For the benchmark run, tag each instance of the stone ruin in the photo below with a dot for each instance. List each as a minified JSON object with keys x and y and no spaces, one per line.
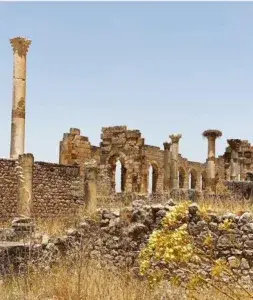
{"x":42,"y":189}
{"x":86,"y":174}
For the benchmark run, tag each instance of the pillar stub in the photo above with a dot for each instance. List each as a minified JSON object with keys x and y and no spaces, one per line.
{"x":25,"y":184}
{"x":175,"y":137}
{"x":166,"y":145}
{"x":20,"y":45}
{"x":26,"y":157}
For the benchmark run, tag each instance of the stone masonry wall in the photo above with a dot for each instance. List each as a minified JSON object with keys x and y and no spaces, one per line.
{"x":57,"y":189}
{"x":8,"y":189}
{"x":241,"y":189}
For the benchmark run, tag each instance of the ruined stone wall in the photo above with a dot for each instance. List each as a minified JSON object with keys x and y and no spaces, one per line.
{"x":57,"y":190}
{"x":75,"y":149}
{"x":116,"y":238}
{"x":190,"y":170}
{"x":120,"y":144}
{"x":245,"y":155}
{"x":128,"y":146}
{"x":154,"y":157}
{"x":8,"y":189}
{"x":241,"y":189}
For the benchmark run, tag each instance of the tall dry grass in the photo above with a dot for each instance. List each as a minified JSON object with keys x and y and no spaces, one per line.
{"x":87,"y":280}
{"x":76,"y":282}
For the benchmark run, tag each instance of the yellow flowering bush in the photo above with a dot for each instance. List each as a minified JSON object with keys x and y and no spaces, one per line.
{"x":172,"y":253}
{"x":170,"y":245}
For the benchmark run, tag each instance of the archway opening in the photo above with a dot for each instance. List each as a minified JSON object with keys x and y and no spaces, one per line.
{"x":118,"y":177}
{"x":152,"y":179}
{"x":193,"y":180}
{"x":117,"y":174}
{"x":181,"y":178}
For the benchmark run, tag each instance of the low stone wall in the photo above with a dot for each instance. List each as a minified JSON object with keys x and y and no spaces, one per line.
{"x":116,"y":237}
{"x":241,"y":189}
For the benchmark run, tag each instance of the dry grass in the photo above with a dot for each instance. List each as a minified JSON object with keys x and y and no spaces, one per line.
{"x":76,"y":282}
{"x":220,"y":206}
{"x":88,"y":281}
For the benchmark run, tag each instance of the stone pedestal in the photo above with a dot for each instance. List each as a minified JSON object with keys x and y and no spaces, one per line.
{"x":25,"y":185}
{"x":211,"y":136}
{"x":90,"y":186}
{"x":166,"y":182}
{"x":174,"y":160}
{"x":20,"y":48}
{"x":234,"y":162}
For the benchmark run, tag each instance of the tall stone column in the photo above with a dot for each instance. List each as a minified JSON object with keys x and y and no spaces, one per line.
{"x":25,"y":184}
{"x":20,"y":48}
{"x":174,"y":160}
{"x":166,"y":182}
{"x":211,"y":136}
{"x":234,"y":161}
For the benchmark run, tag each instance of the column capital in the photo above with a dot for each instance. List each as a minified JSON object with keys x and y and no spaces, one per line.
{"x":212,"y":133}
{"x":20,"y":45}
{"x":175,"y":138}
{"x":166,"y":145}
{"x":234,"y":144}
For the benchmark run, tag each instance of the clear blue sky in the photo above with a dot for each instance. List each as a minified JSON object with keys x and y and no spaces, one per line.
{"x":158,"y":67}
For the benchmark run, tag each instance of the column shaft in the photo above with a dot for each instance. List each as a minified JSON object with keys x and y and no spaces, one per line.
{"x":234,"y":161}
{"x":211,"y":158}
{"x":211,"y":135}
{"x":174,"y":160}
{"x":166,"y":166}
{"x":20,"y":47}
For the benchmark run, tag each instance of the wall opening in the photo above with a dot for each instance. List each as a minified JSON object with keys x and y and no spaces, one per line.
{"x":117,"y":174}
{"x":152,"y":179}
{"x":118,"y":177}
{"x":193,"y":180}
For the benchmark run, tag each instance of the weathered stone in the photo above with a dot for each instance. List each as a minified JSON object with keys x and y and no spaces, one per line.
{"x":193,"y":208}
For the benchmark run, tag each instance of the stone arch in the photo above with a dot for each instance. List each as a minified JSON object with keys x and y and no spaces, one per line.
{"x":203,"y":180}
{"x":153,"y":173}
{"x":117,"y":170}
{"x":193,"y":179}
{"x":181,"y":177}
